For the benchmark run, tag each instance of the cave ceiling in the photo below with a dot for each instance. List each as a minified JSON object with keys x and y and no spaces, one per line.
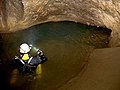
{"x":20,"y":14}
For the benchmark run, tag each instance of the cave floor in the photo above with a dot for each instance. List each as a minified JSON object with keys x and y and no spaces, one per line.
{"x":101,"y":73}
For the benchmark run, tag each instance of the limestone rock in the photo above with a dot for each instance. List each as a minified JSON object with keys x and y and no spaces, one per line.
{"x":21,"y":14}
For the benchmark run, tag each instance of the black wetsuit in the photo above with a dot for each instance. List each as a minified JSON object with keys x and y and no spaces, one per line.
{"x":28,"y":67}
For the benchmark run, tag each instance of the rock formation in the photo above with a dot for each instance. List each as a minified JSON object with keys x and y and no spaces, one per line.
{"x":21,"y":14}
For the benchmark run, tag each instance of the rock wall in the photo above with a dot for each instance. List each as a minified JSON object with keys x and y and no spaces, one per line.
{"x":20,"y":14}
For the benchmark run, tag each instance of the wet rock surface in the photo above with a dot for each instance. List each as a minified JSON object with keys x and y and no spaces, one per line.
{"x":20,"y":14}
{"x":102,"y":72}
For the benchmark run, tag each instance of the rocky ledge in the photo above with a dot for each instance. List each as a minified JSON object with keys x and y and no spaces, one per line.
{"x":20,"y":14}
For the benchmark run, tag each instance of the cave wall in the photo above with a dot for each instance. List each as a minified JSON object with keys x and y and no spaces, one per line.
{"x":20,"y":14}
{"x":3,"y":21}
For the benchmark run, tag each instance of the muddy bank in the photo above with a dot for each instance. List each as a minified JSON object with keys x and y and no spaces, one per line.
{"x":102,"y":72}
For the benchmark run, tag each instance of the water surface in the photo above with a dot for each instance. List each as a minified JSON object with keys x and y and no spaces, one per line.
{"x":66,"y":44}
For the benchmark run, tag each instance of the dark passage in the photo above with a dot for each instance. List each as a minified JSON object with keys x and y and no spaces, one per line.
{"x":67,"y":46}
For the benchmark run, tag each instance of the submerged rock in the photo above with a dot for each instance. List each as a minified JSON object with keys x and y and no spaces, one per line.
{"x":21,"y":14}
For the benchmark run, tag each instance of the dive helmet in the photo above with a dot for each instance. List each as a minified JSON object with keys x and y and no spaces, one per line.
{"x":24,"y":48}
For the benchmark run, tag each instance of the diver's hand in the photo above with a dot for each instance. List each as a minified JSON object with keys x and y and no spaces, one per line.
{"x":39,"y":52}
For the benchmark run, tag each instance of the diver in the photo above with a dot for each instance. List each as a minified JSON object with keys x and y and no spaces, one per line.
{"x":25,"y":63}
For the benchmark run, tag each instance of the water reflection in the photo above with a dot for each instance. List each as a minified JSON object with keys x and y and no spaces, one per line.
{"x":66,"y":44}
